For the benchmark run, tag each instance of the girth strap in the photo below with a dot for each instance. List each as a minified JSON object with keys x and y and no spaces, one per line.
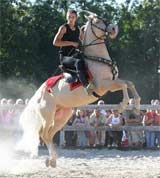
{"x":110,"y":63}
{"x":96,"y":95}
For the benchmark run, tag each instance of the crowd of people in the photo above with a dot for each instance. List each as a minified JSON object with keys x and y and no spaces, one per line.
{"x":10,"y":111}
{"x":135,"y":139}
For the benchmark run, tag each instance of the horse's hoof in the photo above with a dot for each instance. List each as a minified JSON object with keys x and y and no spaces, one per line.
{"x":53,"y":163}
{"x":47,"y":162}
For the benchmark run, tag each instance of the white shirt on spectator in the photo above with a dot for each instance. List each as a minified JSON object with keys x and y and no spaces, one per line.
{"x":115,"y":120}
{"x":103,"y":112}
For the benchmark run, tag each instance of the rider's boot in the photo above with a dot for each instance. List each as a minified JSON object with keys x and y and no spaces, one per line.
{"x":88,"y":87}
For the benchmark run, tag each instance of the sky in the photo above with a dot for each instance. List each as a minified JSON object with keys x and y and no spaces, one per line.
{"x":119,"y":1}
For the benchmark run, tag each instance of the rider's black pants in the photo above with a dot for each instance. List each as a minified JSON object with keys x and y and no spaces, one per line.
{"x":79,"y":66}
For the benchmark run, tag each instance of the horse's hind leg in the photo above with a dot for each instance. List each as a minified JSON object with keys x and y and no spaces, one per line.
{"x":47,"y":111}
{"x":61,"y":117}
{"x":49,"y":143}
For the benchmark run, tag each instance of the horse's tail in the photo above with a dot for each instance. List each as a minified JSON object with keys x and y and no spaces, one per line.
{"x":31,"y":122}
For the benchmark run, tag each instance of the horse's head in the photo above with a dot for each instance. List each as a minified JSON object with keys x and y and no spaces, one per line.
{"x":100,"y":27}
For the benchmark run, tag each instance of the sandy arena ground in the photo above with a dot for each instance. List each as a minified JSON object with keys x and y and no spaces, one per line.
{"x":88,"y":163}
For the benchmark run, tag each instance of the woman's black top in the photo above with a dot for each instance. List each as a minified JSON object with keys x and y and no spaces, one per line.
{"x":70,"y":35}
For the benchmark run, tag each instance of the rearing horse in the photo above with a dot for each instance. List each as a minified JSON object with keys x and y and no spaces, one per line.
{"x":47,"y":112}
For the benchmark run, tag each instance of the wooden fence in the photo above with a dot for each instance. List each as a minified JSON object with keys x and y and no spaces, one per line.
{"x":92,"y":106}
{"x":106,"y":128}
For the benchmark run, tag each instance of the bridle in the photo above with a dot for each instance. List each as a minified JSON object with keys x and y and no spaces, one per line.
{"x":110,"y":63}
{"x":103,"y":37}
{"x":104,"y":30}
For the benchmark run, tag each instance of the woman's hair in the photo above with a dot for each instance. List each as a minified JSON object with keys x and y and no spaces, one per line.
{"x":72,"y":11}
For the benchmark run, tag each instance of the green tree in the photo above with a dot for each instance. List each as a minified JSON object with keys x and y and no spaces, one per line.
{"x":27,"y":31}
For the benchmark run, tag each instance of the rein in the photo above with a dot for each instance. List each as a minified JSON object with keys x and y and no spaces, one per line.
{"x":110,"y":63}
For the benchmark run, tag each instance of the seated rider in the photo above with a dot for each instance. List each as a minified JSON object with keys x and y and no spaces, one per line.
{"x":68,"y":38}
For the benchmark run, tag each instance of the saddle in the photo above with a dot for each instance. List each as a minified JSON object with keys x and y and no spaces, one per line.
{"x":71,"y":75}
{"x":69,"y":70}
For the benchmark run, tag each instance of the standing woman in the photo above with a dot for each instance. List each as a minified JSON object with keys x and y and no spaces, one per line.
{"x":80,"y":121}
{"x":116,"y":122}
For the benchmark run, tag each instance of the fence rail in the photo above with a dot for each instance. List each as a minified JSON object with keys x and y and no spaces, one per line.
{"x":93,"y":106}
{"x":105,"y":128}
{"x":108,"y":128}
{"x":115,"y":106}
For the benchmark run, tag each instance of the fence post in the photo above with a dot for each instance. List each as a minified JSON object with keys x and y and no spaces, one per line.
{"x":62,"y":138}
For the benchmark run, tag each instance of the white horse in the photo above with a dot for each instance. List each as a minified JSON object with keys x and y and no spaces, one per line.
{"x":47,"y":112}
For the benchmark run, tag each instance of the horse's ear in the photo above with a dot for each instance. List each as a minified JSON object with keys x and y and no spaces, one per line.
{"x":90,"y":17}
{"x":83,"y":28}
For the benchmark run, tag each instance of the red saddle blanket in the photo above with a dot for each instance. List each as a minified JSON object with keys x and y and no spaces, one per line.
{"x":50,"y":82}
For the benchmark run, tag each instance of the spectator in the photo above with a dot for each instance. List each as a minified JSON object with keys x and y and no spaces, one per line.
{"x":10,"y":102}
{"x":10,"y":111}
{"x":142,"y":115}
{"x":19,"y":102}
{"x":116,"y":122}
{"x":101,"y":102}
{"x":157,"y":123}
{"x":3,"y":111}
{"x":71,"y":136}
{"x":3,"y":101}
{"x":150,"y":120}
{"x":98,"y":119}
{"x":152,"y":102}
{"x":156,"y":102}
{"x":81,"y":121}
{"x":158,"y":132}
{"x":90,"y":135}
{"x":135,"y":138}
{"x":108,"y":140}
{"x":19,"y":107}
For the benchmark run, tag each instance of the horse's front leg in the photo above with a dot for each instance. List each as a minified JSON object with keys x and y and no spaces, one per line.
{"x":136,"y":96}
{"x":116,"y":85}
